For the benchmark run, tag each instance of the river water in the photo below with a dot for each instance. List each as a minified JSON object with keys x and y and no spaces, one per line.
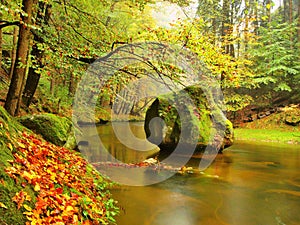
{"x":249,"y":184}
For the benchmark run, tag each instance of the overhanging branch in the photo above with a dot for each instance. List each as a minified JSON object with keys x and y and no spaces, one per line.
{"x":8,"y":23}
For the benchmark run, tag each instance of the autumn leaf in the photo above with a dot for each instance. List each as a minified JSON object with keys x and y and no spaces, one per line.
{"x":2,"y":205}
{"x":37,"y":187}
{"x":9,"y":145}
{"x":21,"y":145}
{"x":20,"y":197}
{"x":28,"y":208}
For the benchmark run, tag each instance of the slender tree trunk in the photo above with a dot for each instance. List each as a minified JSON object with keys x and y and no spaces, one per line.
{"x":72,"y":85}
{"x":290,"y":11}
{"x":21,"y":61}
{"x":1,"y":47}
{"x":22,"y":87}
{"x":231,"y":38}
{"x":256,"y":24}
{"x":298,"y":25}
{"x":268,"y":3}
{"x":38,"y":54}
{"x":225,"y":25}
{"x":290,"y":22}
{"x":246,"y":33}
{"x":14,"y":51}
{"x":31,"y":84}
{"x":52,"y":85}
{"x":1,"y":42}
{"x":285,"y":10}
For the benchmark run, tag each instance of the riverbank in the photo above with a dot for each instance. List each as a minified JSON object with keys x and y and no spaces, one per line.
{"x":41,"y":183}
{"x":267,"y":135}
{"x":273,"y":128}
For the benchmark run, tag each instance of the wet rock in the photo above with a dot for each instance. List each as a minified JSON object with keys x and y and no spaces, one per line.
{"x":163,"y":123}
{"x":292,"y":115}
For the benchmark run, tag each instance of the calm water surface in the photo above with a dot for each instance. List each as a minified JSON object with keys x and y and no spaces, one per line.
{"x":249,"y":184}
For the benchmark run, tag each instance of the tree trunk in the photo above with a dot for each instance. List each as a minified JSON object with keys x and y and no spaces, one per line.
{"x":72,"y":85}
{"x":38,"y":54}
{"x":22,"y":87}
{"x":290,"y":11}
{"x":14,"y":51}
{"x":256,"y":23}
{"x":30,"y":87}
{"x":0,"y":48}
{"x":20,"y":66}
{"x":52,"y":85}
{"x":298,"y":25}
{"x":285,"y":10}
{"x":1,"y":42}
{"x":290,"y":22}
{"x":246,"y":31}
{"x":225,"y":25}
{"x":268,"y":4}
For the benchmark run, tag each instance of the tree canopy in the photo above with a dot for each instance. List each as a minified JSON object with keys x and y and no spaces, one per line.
{"x":249,"y":45}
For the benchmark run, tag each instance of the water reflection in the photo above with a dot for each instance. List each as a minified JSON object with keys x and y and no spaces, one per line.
{"x":104,"y":146}
{"x":249,"y":184}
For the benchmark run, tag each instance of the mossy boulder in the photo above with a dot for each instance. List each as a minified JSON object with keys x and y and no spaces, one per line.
{"x":166,"y":128}
{"x":53,"y":128}
{"x":292,"y":116}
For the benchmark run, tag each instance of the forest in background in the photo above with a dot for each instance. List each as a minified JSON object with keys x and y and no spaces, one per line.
{"x":46,"y":47}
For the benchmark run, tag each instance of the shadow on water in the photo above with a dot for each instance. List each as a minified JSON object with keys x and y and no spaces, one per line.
{"x":249,"y":184}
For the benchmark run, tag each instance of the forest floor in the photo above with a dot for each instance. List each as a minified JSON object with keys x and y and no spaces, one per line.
{"x":41,"y":183}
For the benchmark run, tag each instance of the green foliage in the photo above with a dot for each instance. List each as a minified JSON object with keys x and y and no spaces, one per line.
{"x":233,"y":73}
{"x":72,"y":34}
{"x":276,"y":58}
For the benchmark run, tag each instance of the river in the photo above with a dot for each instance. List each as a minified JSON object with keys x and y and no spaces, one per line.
{"x":249,"y":184}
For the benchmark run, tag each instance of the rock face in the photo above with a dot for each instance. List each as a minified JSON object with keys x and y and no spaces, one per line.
{"x":55,"y":129}
{"x":163,"y":123}
{"x":292,"y":115}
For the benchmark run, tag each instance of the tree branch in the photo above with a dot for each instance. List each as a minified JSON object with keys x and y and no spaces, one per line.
{"x":8,"y":23}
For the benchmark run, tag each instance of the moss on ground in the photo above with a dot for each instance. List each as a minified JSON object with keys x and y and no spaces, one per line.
{"x":10,"y":214}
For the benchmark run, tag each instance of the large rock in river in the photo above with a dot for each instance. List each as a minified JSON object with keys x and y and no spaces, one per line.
{"x":163,"y":125}
{"x":55,"y":129}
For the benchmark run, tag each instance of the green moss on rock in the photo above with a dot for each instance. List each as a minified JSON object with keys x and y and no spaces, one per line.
{"x":292,"y":116}
{"x":198,"y":120}
{"x":53,"y":128}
